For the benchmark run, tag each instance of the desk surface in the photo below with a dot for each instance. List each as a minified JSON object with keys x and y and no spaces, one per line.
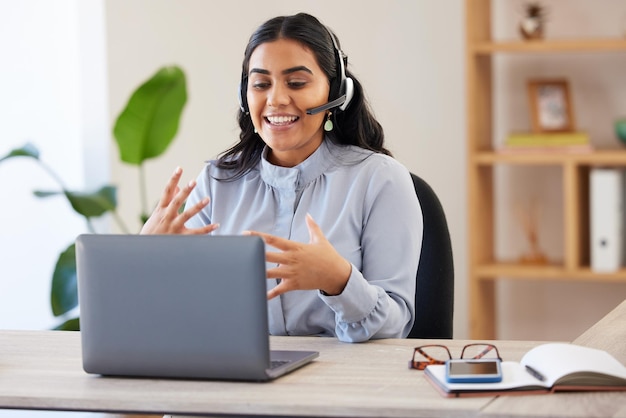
{"x":42,"y":370}
{"x":608,"y":334}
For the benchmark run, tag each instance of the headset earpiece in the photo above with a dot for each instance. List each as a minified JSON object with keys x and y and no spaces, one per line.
{"x":349,"y":92}
{"x":346,"y":84}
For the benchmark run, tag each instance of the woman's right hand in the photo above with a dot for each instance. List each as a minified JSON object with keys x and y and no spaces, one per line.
{"x":167,"y":220}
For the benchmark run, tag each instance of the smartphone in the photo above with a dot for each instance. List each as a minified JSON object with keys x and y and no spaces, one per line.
{"x":473,"y":371}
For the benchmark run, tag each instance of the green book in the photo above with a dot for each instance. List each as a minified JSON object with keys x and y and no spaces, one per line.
{"x":558,"y":139}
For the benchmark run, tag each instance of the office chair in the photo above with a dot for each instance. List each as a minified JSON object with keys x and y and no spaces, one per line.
{"x":434,"y":293}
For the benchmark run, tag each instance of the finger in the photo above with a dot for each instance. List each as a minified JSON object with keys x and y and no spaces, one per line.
{"x":194,"y":210}
{"x":271,"y":294}
{"x":280,"y":272}
{"x":207,"y":229}
{"x":274,"y":241}
{"x":281,"y":258}
{"x":171,"y":188}
{"x":278,"y":290}
{"x":315,"y":232}
{"x":182,"y":195}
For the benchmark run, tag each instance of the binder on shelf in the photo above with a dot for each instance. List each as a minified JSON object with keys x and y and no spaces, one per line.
{"x":606,"y":193}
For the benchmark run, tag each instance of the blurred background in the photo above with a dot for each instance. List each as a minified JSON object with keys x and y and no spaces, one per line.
{"x":69,"y":66}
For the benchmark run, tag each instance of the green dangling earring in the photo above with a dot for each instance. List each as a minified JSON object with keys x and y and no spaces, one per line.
{"x":328,"y":125}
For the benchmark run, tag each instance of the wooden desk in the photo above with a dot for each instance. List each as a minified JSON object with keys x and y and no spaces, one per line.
{"x":608,"y":334}
{"x":42,"y":370}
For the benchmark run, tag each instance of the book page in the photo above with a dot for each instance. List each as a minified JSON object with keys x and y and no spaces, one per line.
{"x":570,"y":364}
{"x":514,"y":377}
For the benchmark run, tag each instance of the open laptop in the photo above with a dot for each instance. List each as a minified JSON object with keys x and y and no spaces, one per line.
{"x":177,"y":306}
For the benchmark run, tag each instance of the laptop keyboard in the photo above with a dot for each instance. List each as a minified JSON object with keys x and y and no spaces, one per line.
{"x":277,"y":363}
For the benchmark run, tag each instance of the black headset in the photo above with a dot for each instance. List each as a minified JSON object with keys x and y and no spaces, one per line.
{"x":346,"y":86}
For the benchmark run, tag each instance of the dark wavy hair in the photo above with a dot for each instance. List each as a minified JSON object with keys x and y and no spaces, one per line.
{"x":354,"y":126}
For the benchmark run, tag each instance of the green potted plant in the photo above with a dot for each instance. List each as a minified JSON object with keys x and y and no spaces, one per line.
{"x":144,"y":130}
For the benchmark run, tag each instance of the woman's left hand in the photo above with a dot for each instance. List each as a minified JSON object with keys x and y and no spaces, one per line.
{"x":316,"y":265}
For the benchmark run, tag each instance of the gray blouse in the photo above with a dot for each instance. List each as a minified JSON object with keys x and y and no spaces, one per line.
{"x":366,"y":206}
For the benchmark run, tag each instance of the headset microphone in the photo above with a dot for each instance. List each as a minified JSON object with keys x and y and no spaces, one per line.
{"x":341,"y":102}
{"x":337,"y":102}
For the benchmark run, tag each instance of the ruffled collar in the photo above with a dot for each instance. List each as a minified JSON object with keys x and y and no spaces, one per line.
{"x":297,"y":177}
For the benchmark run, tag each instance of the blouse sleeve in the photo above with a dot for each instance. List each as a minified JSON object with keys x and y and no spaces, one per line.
{"x":378,"y":301}
{"x":201,"y":190}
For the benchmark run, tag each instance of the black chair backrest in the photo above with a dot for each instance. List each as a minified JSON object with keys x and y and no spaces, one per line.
{"x":434,"y":293}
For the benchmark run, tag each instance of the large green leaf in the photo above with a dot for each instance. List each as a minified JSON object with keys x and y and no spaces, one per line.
{"x":148,"y":124}
{"x":88,"y":204}
{"x":28,"y":150}
{"x":64,"y":293}
{"x":72,"y":324}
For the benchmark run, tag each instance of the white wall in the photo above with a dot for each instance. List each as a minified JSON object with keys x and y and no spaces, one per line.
{"x":53,"y":85}
{"x":53,"y":94}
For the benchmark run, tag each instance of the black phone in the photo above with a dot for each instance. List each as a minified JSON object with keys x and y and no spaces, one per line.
{"x":473,"y":371}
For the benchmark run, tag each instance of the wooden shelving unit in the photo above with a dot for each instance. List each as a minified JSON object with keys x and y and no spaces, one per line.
{"x":484,"y":269}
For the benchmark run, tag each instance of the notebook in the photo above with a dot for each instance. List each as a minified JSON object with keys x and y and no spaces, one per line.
{"x":177,"y":306}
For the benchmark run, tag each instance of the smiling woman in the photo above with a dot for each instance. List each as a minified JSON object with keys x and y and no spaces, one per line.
{"x":284,"y":81}
{"x":312,"y":177}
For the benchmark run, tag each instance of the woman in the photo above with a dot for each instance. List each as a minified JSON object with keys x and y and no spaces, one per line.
{"x":311,"y":176}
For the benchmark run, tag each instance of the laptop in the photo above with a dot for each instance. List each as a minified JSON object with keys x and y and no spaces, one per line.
{"x":177,"y":306}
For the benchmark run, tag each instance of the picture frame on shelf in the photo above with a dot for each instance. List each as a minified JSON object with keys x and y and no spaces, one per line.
{"x":550,"y":105}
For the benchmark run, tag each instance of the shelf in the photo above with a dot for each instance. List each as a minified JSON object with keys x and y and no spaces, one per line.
{"x":599,"y":157}
{"x":483,"y":171}
{"x":542,"y":272}
{"x":550,"y":46}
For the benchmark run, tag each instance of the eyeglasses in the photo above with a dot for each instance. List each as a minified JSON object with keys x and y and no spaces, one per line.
{"x":438,"y":354}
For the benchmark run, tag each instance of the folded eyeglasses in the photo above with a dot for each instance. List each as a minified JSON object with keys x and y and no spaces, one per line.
{"x":426,"y":355}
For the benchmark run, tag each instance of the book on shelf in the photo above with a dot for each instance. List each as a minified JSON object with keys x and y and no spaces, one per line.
{"x":548,"y":139}
{"x":560,"y":142}
{"x":547,"y":368}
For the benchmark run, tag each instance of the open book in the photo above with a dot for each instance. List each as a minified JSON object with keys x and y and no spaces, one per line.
{"x":546,"y":368}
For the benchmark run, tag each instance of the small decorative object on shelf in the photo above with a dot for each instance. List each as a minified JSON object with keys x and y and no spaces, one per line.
{"x":550,"y":106}
{"x":531,"y":230}
{"x":532,"y":24}
{"x":620,"y":129}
